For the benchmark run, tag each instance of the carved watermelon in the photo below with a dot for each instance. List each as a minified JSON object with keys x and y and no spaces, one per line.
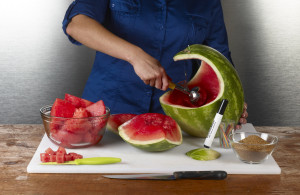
{"x":217,"y":80}
{"x":151,"y":132}
{"x":115,"y":120}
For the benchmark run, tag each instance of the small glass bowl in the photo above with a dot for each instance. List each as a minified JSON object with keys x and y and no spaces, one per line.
{"x":74,"y":132}
{"x":255,"y":149}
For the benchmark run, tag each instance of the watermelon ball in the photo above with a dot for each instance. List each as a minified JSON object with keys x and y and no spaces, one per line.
{"x":74,"y":122}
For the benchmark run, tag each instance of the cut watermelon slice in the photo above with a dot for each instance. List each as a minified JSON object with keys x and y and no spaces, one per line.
{"x":115,"y":120}
{"x":80,"y":124}
{"x":97,"y":109}
{"x":151,"y":132}
{"x":77,"y":102}
{"x":62,"y":108}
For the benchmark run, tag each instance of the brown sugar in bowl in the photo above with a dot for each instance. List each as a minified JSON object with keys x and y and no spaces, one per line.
{"x":252,"y":148}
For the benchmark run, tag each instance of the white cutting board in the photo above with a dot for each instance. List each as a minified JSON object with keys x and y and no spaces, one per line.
{"x":138,"y":161}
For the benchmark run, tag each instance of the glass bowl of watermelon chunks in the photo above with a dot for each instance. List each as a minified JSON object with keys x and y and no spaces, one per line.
{"x":71,"y":125}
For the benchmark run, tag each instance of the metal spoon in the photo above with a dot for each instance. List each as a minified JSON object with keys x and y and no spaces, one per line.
{"x":193,"y":93}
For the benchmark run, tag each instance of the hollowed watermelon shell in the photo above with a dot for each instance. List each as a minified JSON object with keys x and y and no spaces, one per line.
{"x":217,"y":80}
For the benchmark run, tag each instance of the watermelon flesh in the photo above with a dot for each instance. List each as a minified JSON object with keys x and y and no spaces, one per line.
{"x":62,"y":108}
{"x":115,"y":120}
{"x":77,"y":102}
{"x":209,"y":88}
{"x":217,"y":80}
{"x":151,"y":132}
{"x":97,"y":109}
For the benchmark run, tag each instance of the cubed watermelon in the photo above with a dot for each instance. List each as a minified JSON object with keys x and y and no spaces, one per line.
{"x":78,"y":156}
{"x":61,"y":150}
{"x":60,"y":158}
{"x":68,"y":157}
{"x":73,"y":155}
{"x":52,"y":158}
{"x":44,"y":157}
{"x":50,"y":151}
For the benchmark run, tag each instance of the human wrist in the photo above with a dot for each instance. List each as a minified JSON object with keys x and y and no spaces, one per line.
{"x":132,"y":54}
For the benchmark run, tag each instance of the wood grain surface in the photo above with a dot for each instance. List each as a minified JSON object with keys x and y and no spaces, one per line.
{"x":19,"y":142}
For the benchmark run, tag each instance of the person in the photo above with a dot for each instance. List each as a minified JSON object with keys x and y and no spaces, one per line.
{"x":135,"y":41}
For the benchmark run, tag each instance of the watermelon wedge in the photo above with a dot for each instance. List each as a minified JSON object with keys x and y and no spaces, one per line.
{"x":77,"y":102}
{"x":151,"y":132}
{"x":217,"y":80}
{"x":62,"y":108}
{"x":115,"y":120}
{"x":96,"y":109}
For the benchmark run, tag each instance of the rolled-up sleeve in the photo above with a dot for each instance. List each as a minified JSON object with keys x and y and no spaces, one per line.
{"x":95,"y":9}
{"x":217,"y":38}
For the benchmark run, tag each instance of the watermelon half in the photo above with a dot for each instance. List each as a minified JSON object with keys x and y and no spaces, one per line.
{"x":151,"y":132}
{"x":217,"y":80}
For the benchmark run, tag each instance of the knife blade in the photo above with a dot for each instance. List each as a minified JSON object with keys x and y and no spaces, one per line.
{"x":88,"y":161}
{"x":199,"y":175}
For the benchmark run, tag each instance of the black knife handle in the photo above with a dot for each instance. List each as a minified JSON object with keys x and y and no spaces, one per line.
{"x":203,"y":175}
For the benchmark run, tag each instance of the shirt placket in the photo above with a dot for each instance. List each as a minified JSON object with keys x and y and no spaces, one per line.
{"x":160,"y":37}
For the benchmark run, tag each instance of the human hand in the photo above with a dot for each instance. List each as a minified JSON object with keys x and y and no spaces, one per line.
{"x":243,"y":119}
{"x":150,"y":70}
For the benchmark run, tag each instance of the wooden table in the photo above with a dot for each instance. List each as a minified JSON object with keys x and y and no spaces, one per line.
{"x":19,"y":142}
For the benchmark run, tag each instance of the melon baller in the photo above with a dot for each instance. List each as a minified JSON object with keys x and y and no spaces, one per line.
{"x":193,"y":93}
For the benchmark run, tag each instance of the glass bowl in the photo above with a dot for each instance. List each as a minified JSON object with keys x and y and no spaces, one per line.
{"x":74,"y":132}
{"x":252,"y":148}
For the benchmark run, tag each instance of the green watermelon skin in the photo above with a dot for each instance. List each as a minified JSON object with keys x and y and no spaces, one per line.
{"x":197,"y":121}
{"x":155,"y":147}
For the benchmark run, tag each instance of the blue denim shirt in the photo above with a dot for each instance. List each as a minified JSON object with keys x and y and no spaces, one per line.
{"x":161,"y":28}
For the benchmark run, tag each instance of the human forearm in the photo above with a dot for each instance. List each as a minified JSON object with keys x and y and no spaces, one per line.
{"x":93,"y":35}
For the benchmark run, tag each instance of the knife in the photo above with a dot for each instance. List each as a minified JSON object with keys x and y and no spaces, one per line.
{"x":200,"y":175}
{"x":87,"y":161}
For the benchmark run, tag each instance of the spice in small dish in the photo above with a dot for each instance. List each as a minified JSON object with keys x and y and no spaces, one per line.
{"x":251,"y":147}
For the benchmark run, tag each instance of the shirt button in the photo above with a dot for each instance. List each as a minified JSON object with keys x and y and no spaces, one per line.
{"x":113,"y":5}
{"x":162,"y":28}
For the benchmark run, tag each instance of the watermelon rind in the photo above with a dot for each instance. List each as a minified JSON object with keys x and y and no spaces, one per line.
{"x":153,"y":145}
{"x":196,"y":121}
{"x":203,"y":154}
